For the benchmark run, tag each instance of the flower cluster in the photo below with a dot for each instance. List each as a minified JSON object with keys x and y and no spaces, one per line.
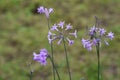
{"x":96,"y":36}
{"x":45,"y":11}
{"x":61,"y":30}
{"x":41,"y":57}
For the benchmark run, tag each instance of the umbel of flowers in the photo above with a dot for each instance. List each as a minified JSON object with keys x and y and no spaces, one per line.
{"x":60,"y":31}
{"x":96,"y":35}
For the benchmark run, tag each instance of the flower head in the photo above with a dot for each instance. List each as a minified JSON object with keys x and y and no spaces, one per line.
{"x":61,"y":31}
{"x":96,"y":36}
{"x":41,"y":57}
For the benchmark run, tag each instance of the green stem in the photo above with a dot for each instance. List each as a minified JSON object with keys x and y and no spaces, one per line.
{"x":98,"y":56}
{"x":31,"y":75}
{"x":54,"y":66}
{"x":51,"y":46}
{"x":67,"y":58}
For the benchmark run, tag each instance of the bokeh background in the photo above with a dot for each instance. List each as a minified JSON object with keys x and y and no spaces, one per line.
{"x":24,"y":31}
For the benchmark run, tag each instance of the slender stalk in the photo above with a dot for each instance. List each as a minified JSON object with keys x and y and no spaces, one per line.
{"x":31,"y":71}
{"x":51,"y":46}
{"x":67,"y":59}
{"x":98,"y":56}
{"x":31,"y":75}
{"x":54,"y":66}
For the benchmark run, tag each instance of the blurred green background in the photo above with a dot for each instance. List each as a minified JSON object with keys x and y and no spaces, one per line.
{"x":23,"y":31}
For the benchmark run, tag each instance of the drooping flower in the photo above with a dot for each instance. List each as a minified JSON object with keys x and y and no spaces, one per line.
{"x":41,"y":57}
{"x":60,"y":31}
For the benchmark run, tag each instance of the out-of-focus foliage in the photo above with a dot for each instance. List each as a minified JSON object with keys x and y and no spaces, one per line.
{"x":23,"y":31}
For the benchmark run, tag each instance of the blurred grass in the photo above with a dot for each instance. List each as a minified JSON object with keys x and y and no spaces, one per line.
{"x":23,"y":31}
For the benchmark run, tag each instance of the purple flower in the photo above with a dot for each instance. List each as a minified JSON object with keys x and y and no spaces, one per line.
{"x":48,"y":11}
{"x":110,"y":35}
{"x":68,"y":27}
{"x":41,"y":57}
{"x":95,"y":42}
{"x":54,"y":27}
{"x":92,"y":30}
{"x":74,"y":34}
{"x":87,"y":44}
{"x":70,"y":41}
{"x":50,"y":35}
{"x":84,"y":42}
{"x":40,"y":10}
{"x":61,"y":24}
{"x":102,"y":31}
{"x":96,"y":35}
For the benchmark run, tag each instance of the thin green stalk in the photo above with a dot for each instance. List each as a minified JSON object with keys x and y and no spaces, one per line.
{"x":98,"y":56}
{"x":67,"y":58}
{"x":51,"y":46}
{"x":31,"y":75}
{"x":54,"y":66}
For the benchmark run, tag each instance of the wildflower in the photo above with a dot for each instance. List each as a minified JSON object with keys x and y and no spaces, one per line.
{"x":96,"y":36}
{"x":68,"y":27}
{"x":61,"y":24}
{"x":61,"y":31}
{"x":70,"y":41}
{"x":41,"y":57}
{"x":40,"y":10}
{"x":54,"y":27}
{"x":48,"y":11}
{"x":87,"y":44}
{"x":102,"y":31}
{"x":92,"y":30}
{"x":110,"y":35}
{"x":45,"y":11}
